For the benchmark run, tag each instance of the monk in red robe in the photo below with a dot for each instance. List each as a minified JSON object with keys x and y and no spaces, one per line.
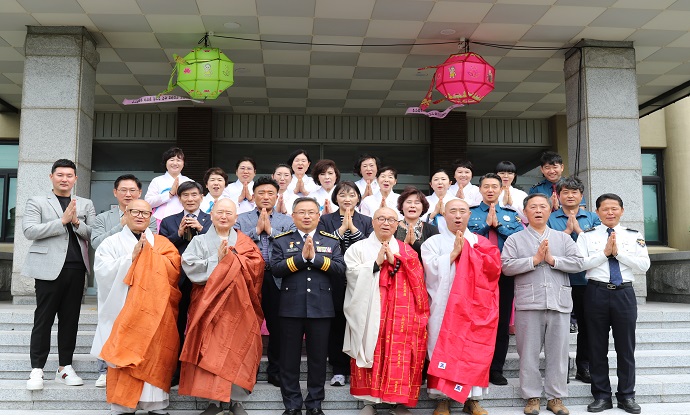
{"x":386,"y":308}
{"x":223,"y":347}
{"x":462,"y":271}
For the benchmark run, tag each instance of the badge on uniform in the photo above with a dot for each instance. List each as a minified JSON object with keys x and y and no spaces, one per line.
{"x":324,"y":249}
{"x":506,"y":218}
{"x":641,"y":243}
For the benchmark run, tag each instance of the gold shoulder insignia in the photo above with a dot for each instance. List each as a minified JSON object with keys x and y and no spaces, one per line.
{"x":283,"y":234}
{"x":329,"y":235}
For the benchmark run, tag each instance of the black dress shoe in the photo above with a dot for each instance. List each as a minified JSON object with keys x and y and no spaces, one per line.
{"x":292,"y":412}
{"x":629,"y":405}
{"x":599,"y":405}
{"x":274,"y":380}
{"x":315,"y":411}
{"x":497,"y":378}
{"x":584,"y":376}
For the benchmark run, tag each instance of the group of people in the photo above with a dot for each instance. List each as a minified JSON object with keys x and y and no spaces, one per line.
{"x":391,"y":289}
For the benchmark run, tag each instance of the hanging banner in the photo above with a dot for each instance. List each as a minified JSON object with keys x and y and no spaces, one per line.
{"x":152,"y":99}
{"x":432,"y":114}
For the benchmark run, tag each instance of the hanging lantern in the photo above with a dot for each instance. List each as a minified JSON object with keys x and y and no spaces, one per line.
{"x":464,"y":78}
{"x":204,"y":73}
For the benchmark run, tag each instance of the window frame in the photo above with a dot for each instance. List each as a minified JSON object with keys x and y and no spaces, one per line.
{"x":658,"y":182}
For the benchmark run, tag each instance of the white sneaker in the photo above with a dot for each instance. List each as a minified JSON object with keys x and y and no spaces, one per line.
{"x":68,"y":376}
{"x":338,"y":380}
{"x":100,"y":382}
{"x":35,"y":382}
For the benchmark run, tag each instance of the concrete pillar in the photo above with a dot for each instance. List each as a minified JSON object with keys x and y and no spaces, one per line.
{"x":676,"y":170}
{"x":604,"y":111}
{"x":56,"y":122}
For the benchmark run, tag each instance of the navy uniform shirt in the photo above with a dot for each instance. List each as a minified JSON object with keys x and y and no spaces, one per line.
{"x":306,"y":286}
{"x":559,"y":221}
{"x":508,"y":222}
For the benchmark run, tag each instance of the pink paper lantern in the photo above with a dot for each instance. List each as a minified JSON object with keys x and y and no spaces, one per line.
{"x":464,"y":78}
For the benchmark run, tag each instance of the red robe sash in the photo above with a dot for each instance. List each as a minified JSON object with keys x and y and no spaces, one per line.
{"x":396,"y":375}
{"x":465,"y":345}
{"x":223,"y":341}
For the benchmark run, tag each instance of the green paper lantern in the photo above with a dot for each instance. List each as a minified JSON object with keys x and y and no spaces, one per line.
{"x":204,"y":73}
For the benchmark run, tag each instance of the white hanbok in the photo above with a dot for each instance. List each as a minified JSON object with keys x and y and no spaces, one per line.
{"x":111,"y":264}
{"x":372,"y":203}
{"x":440,"y":220}
{"x":362,"y":186}
{"x":207,"y":202}
{"x":518,"y":197}
{"x":309,"y":185}
{"x":158,"y":196}
{"x":439,"y":274}
{"x":233,"y":192}
{"x":471,"y":193}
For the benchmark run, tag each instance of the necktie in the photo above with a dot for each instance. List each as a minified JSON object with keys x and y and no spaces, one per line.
{"x":614,"y":267}
{"x":264,"y":246}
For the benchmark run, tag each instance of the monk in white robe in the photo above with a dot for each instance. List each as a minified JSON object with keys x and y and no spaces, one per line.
{"x":386,"y":310}
{"x":462,"y":271}
{"x":130,"y":266}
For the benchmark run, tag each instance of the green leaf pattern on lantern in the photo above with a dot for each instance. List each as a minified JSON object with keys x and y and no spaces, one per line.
{"x":204,"y":73}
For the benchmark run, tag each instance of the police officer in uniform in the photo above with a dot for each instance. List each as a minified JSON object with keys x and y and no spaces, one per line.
{"x":497,"y":223}
{"x":612,"y":253}
{"x":309,"y":263}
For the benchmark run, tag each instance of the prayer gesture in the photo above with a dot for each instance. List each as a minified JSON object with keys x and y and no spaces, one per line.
{"x":572,"y":226}
{"x":264,"y":223}
{"x":383,"y":202}
{"x":437,"y":209}
{"x":246,"y":194}
{"x":460,"y":194}
{"x":458,"y":244}
{"x":539,"y":257}
{"x":368,"y":191}
{"x":173,"y":189}
{"x":409,"y":238}
{"x":138,"y":247}
{"x":223,"y":249}
{"x":347,"y":222}
{"x":491,"y":218}
{"x":389,"y":254}
{"x":327,"y":208}
{"x":308,"y":251}
{"x":507,"y":199}
{"x":554,"y":201}
{"x":280,"y":206}
{"x":299,"y":187}
{"x":611,"y":249}
{"x":70,"y":214}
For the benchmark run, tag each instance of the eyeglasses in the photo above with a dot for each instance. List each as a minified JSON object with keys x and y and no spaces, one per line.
{"x":130,"y":191}
{"x":143,"y":213}
{"x":306,"y":213}
{"x":224,"y":212}
{"x":390,"y":221}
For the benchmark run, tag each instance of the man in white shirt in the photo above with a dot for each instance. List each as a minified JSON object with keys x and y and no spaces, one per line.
{"x":612,"y":254}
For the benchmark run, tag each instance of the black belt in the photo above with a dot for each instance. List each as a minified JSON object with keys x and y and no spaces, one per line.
{"x":610,"y":286}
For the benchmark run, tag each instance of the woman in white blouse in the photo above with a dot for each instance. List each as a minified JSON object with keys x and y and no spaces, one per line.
{"x":282,"y":175}
{"x":463,"y":188}
{"x":162,"y":191}
{"x":366,"y":167}
{"x":327,"y":175}
{"x":215,"y":180}
{"x":242,"y":191}
{"x":439,"y":183}
{"x":387,"y":178}
{"x":510,"y":196}
{"x":301,"y":184}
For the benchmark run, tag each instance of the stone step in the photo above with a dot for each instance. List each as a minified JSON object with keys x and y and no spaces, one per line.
{"x":648,"y":362}
{"x":647,"y":409}
{"x":55,"y":396}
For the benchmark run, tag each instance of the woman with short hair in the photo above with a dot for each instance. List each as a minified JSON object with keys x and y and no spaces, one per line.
{"x":162,"y":191}
{"x":326,"y":175}
{"x":412,"y":230}
{"x":215,"y":180}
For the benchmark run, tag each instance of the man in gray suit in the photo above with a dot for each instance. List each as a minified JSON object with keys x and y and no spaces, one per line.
{"x":59,"y":225}
{"x":127,"y":188}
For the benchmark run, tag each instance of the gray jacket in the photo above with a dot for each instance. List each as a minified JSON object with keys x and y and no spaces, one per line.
{"x":542,"y":287}
{"x":42,"y":224}
{"x":108,"y":223}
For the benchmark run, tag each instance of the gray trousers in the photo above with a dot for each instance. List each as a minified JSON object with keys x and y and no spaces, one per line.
{"x":547,"y":329}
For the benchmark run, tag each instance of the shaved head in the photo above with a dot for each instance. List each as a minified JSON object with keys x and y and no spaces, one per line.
{"x":385,"y":223}
{"x":224,"y":215}
{"x":453,"y":202}
{"x":138,"y":223}
{"x":225,"y":203}
{"x":457,"y":214}
{"x":385,"y":211}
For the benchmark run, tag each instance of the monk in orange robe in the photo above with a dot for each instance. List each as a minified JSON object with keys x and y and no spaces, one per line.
{"x":139,"y":340}
{"x":223,"y":345}
{"x":386,"y":308}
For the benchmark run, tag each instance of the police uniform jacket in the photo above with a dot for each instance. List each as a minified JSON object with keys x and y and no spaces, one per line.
{"x":632,"y":253}
{"x":306,"y":289}
{"x":508,"y":222}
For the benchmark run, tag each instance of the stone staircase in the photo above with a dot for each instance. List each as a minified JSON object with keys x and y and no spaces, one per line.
{"x":662,"y":356}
